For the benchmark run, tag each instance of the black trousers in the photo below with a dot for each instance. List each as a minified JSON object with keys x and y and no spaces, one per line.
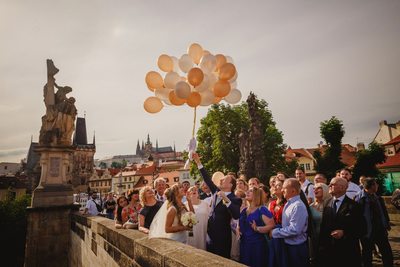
{"x":384,"y":248}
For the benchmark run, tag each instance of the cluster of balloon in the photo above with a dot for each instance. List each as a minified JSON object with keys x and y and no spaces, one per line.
{"x":197,"y":78}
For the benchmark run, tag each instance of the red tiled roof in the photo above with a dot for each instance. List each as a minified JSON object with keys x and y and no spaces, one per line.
{"x":391,"y":161}
{"x":146,"y":170}
{"x":394,"y":141}
{"x":298,"y":152}
{"x":348,"y":155}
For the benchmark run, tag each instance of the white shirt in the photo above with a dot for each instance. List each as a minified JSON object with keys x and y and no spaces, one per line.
{"x":310,"y":193}
{"x":352,"y":190}
{"x":339,"y":202}
{"x":91,"y":206}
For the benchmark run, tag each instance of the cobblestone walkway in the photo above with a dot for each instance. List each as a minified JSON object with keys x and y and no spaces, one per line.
{"x":394,"y":239}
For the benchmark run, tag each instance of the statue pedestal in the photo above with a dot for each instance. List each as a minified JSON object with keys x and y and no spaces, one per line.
{"x":55,"y":187}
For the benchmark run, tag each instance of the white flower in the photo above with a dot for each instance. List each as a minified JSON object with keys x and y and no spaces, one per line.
{"x":189,"y":219}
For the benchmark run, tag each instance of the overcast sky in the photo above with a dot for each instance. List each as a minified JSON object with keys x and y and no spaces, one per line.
{"x":309,"y":60}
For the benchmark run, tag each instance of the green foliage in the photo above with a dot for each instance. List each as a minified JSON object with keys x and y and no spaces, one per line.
{"x":332,"y":131}
{"x":13,"y":224}
{"x":116,"y":165}
{"x":367,"y":160}
{"x":103,"y":165}
{"x":218,"y":139}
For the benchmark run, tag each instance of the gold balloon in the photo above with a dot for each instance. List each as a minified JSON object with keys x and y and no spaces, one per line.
{"x":195,"y":51}
{"x":217,"y":100}
{"x":221,"y":60}
{"x":195,"y":76}
{"x":216,"y":177}
{"x":154,"y":80}
{"x":165,"y":63}
{"x":175,"y":100}
{"x":221,"y":88}
{"x":152,"y":104}
{"x":194,"y":99}
{"x":227,"y":71}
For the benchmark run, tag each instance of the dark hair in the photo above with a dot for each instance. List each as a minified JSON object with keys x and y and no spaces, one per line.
{"x":233,"y":182}
{"x":119,"y":209}
{"x":232,"y":173}
{"x":132,"y":192}
{"x":369,"y":182}
{"x":300,"y":169}
{"x":345,"y":169}
{"x":265,"y":189}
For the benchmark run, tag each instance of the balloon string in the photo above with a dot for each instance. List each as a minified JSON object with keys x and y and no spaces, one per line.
{"x":194,"y":123}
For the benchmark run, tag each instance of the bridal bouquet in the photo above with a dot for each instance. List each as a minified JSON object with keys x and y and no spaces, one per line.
{"x":189,"y":219}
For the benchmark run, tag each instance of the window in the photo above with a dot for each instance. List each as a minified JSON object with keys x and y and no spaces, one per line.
{"x":302,"y":166}
{"x":125,"y":179}
{"x":176,"y":179}
{"x":308,"y":167}
{"x":5,"y":167}
{"x":130,"y":179}
{"x":145,"y":181}
{"x":129,"y":186}
{"x":166,"y":180}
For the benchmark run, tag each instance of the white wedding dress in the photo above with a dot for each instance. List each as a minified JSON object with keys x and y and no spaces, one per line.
{"x":157,"y":227}
{"x":198,"y":240}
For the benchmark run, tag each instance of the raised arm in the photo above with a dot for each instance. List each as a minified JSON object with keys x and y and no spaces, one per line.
{"x":204,"y":174}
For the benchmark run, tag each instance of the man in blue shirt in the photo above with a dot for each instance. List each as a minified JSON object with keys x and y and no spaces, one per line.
{"x":294,"y":225}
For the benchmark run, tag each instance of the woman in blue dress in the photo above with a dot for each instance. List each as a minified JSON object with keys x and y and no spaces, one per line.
{"x":255,"y":222}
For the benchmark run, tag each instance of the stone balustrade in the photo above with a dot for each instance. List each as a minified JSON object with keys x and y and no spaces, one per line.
{"x":96,"y":242}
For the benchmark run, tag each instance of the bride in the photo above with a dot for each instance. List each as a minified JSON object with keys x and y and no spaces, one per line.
{"x":167,"y":222}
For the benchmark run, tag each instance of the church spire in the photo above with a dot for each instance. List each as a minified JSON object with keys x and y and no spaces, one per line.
{"x":148,"y":139}
{"x":138,"y":148}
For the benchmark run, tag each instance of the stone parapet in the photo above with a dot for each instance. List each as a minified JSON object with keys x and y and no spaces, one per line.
{"x":96,"y":242}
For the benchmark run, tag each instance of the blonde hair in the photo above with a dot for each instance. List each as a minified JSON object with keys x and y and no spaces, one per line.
{"x":325,"y":195}
{"x":142,"y":197}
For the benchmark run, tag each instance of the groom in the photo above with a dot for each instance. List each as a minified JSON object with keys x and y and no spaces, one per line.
{"x":224,"y":206}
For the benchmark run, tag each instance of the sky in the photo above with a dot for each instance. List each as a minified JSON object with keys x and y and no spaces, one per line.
{"x":310,"y":60}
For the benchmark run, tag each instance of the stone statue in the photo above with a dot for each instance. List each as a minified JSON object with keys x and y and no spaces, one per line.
{"x":252,"y":158}
{"x":58,"y":124}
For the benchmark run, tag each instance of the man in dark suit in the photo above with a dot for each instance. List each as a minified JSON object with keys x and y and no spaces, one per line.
{"x":224,"y":206}
{"x":341,"y":228}
{"x":378,"y":223}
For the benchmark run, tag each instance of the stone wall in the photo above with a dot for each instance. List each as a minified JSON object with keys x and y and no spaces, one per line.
{"x":48,"y":236}
{"x":94,"y":241}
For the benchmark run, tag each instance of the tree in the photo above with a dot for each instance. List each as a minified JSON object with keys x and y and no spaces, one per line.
{"x":366,"y":163}
{"x":218,"y":138}
{"x":332,"y":131}
{"x":116,"y":165}
{"x":13,"y":225}
{"x":103,"y":165}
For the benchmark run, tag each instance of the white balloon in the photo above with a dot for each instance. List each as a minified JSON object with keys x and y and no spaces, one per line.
{"x":185,"y":63}
{"x":166,"y":101}
{"x":182,"y":90}
{"x":229,"y":59}
{"x":205,"y":84}
{"x":234,"y":96}
{"x":162,"y":93}
{"x":233,"y":84}
{"x":208,"y":63}
{"x":207,"y":98}
{"x":213,"y":78}
{"x":171,"y":78}
{"x":176,"y":63}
